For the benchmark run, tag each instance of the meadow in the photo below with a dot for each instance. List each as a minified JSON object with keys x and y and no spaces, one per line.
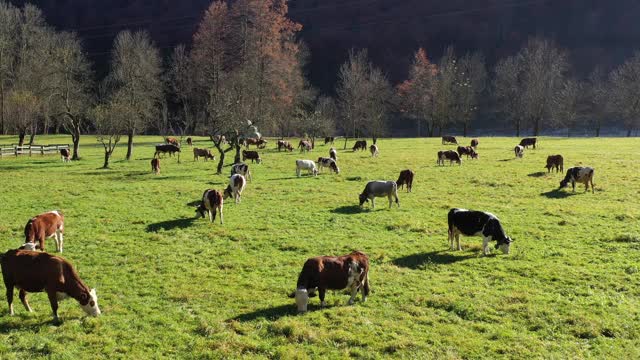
{"x":172,"y":286}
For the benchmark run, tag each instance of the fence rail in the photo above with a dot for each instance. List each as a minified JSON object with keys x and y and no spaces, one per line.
{"x":32,"y":149}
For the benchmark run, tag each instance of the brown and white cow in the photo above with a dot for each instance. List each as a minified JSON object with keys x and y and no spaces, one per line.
{"x":406,"y":177}
{"x":474,"y":143}
{"x":526,"y":142}
{"x":332,"y":273}
{"x":32,"y":271}
{"x":205,"y":153}
{"x":65,"y":154}
{"x":43,"y":226}
{"x":251,"y":155}
{"x":242,"y":169}
{"x":333,"y":154}
{"x":260,"y":143}
{"x":155,"y":166}
{"x":374,"y":150}
{"x":583,"y":175}
{"x":282,"y":144}
{"x":450,"y":155}
{"x":328,"y":162}
{"x":518,"y":151}
{"x":467,"y":150}
{"x":172,"y":141}
{"x":305,"y":145}
{"x":555,"y":161}
{"x":449,"y":140}
{"x":236,"y":185}
{"x":360,"y":145}
{"x":212,"y":201}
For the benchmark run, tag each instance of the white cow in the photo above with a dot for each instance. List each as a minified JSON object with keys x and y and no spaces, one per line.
{"x":236,"y":185}
{"x":308,"y":165}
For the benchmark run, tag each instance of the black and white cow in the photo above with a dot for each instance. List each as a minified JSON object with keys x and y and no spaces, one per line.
{"x":583,"y":175}
{"x":328,"y":162}
{"x":333,"y":154}
{"x":242,"y":169}
{"x":477,"y":223}
{"x":518,"y":150}
{"x":212,"y":202}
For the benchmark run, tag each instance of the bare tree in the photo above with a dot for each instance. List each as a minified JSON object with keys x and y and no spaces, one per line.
{"x":625,"y":87}
{"x":507,"y":90}
{"x":135,"y":81}
{"x":110,"y":120}
{"x":568,"y":106}
{"x":22,"y":107}
{"x":445,"y":109}
{"x":182,"y":83}
{"x":319,"y":120}
{"x":470,"y":85}
{"x":9,"y":21}
{"x":378,"y":102}
{"x":597,"y":97}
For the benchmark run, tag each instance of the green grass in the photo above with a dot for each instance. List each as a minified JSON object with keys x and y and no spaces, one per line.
{"x":170,"y":286}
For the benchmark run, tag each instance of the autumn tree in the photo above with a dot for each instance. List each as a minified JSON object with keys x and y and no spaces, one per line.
{"x":624,"y":90}
{"x":415,"y":95}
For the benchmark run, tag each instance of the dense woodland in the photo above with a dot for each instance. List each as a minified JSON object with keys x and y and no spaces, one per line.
{"x":246,"y":64}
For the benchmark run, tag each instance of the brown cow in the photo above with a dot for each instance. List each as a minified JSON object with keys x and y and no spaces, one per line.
{"x":360,"y":145}
{"x":332,"y":273}
{"x":260,"y":143}
{"x":252,"y":155}
{"x":46,"y":225}
{"x":449,"y":155}
{"x":32,"y":271}
{"x":211,"y":202}
{"x":205,"y":153}
{"x":189,"y":141}
{"x":155,"y":166}
{"x":467,"y":150}
{"x":406,"y":177}
{"x":526,"y":142}
{"x":474,"y":143}
{"x":449,"y":140}
{"x":305,"y":145}
{"x":555,"y":161}
{"x":329,"y":139}
{"x":172,"y":141}
{"x":65,"y":154}
{"x":282,"y":144}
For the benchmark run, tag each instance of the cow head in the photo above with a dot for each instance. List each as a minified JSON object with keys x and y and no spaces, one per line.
{"x":505,"y":246}
{"x":201,"y":210}
{"x":28,"y":246}
{"x":91,"y":306}
{"x":363,"y":198}
{"x":302,"y":299}
{"x":563,"y":183}
{"x":228,"y":192}
{"x":335,"y":167}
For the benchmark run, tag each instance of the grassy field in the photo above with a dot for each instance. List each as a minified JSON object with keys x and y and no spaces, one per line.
{"x":171,"y":286}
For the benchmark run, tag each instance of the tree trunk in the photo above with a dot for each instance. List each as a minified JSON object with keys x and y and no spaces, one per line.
{"x":375,"y":140}
{"x":629,"y":132}
{"x":221,"y":162}
{"x":32,"y":137}
{"x":419,"y":121}
{"x":75,"y":137}
{"x":21,"y":137}
{"x":598,"y":130}
{"x":518,"y":128}
{"x":536,"y":127}
{"x":130,"y":144}
{"x":107,"y":157}
{"x":345,"y":142}
{"x":1,"y":107}
{"x":464,"y":131}
{"x":237,"y":158}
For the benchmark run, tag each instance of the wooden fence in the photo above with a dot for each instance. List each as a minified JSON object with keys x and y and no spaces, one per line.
{"x":32,"y":149}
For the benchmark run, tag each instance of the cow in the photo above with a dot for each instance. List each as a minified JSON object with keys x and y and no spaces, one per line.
{"x":205,"y":153}
{"x":360,"y":145}
{"x":518,"y":151}
{"x":449,"y":140}
{"x":252,"y":155}
{"x":332,"y":273}
{"x":583,"y":175}
{"x":235,"y":187}
{"x":166,"y":148}
{"x":328,"y":162}
{"x":448,"y":155}
{"x":212,"y":201}
{"x":189,"y":141}
{"x":333,"y":154}
{"x":29,"y":246}
{"x":172,"y":141}
{"x":555,"y":161}
{"x":155,"y":166}
{"x":378,"y":188}
{"x":467,"y":150}
{"x":374,"y":150}
{"x":33,"y":271}
{"x":260,"y":143}
{"x":65,"y":154}
{"x":43,"y":226}
{"x":474,"y":143}
{"x":242,"y":169}
{"x":305,"y":145}
{"x":329,"y":140}
{"x":477,"y":223}
{"x":219,"y":139}
{"x":308,"y":165}
{"x":406,"y":177}
{"x":526,"y":142}
{"x":282,"y":144}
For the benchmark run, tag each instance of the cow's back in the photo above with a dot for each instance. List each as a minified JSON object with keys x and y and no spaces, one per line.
{"x":32,"y":270}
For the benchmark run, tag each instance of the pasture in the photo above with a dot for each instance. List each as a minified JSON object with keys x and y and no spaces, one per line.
{"x":172,"y":286}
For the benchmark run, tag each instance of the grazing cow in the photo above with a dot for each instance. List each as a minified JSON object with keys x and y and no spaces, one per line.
{"x":333,"y":154}
{"x":242,"y":169}
{"x":32,"y":271}
{"x":329,"y":139}
{"x":526,"y":142}
{"x":583,"y":175}
{"x":406,"y":177}
{"x":46,"y":225}
{"x":189,"y":141}
{"x":308,"y":165}
{"x":259,"y":143}
{"x":65,"y":154}
{"x":555,"y":161}
{"x":332,"y":273}
{"x":155,"y":166}
{"x":212,"y":201}
{"x":474,"y":143}
{"x":29,"y":246}
{"x":252,"y":155}
{"x":328,"y":162}
{"x":360,"y":145}
{"x":305,"y":145}
{"x":205,"y":153}
{"x":518,"y":151}
{"x":172,"y":141}
{"x":378,"y":188}
{"x":477,"y":223}
{"x":235,"y":187}
{"x":449,"y":140}
{"x":448,"y":155}
{"x":467,"y":150}
{"x":374,"y":150}
{"x":166,"y":148}
{"x":282,"y":144}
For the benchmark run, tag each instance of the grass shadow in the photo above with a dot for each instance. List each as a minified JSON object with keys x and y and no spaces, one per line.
{"x":507,"y":159}
{"x":347,"y":210}
{"x":557,"y":194}
{"x":354,"y":178}
{"x":415,"y":261}
{"x":285,"y":178}
{"x":23,"y":325}
{"x":537,"y":174}
{"x":193,"y":203}
{"x":171,"y":224}
{"x":272,"y":313}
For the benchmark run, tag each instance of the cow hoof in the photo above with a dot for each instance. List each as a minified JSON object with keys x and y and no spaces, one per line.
{"x":351,"y":302}
{"x":323,"y":304}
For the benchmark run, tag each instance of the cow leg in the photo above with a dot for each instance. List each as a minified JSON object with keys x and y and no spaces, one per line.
{"x":321,"y":293}
{"x":212,"y":215}
{"x":354,"y":292}
{"x":450,"y":234}
{"x":573,"y":185}
{"x":23,"y":297}
{"x":593,"y":191}
{"x":53,"y":300}
{"x":458,"y":241}
{"x":485,"y":245}
{"x":390,"y":200}
{"x":10,"y":298}
{"x":220,"y":214}
{"x":365,"y":289}
{"x":59,"y":240}
{"x":41,"y":243}
{"x":373,"y":203}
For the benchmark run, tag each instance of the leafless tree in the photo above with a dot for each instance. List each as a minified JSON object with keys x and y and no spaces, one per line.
{"x":9,"y":30}
{"x":625,"y":87}
{"x":568,"y":104}
{"x":470,"y":85}
{"x":597,"y":95}
{"x":507,"y":90}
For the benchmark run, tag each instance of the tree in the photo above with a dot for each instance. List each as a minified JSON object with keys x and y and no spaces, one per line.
{"x":445,"y":109}
{"x":319,"y":120}
{"x":569,"y":104}
{"x":379,"y":95}
{"x":110,"y":120}
{"x":416,"y":96}
{"x":22,"y":108}
{"x":9,"y":21}
{"x":597,"y":97}
{"x":182,"y":84}
{"x":470,"y":85}
{"x":624,"y":90}
{"x":507,"y":89}
{"x":135,"y":81}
